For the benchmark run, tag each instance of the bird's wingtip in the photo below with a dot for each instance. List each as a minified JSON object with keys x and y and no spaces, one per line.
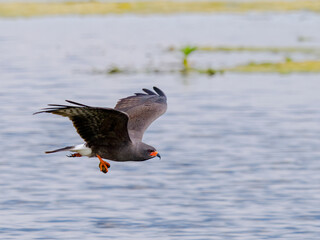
{"x":37,"y":112}
{"x":159,"y":91}
{"x":76,"y":103}
{"x":149,"y":92}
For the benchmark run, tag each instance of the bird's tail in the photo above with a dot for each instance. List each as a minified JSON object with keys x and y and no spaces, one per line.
{"x":61,"y":149}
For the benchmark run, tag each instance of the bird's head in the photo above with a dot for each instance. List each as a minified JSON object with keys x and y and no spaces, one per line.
{"x":149,"y":152}
{"x":153,"y":153}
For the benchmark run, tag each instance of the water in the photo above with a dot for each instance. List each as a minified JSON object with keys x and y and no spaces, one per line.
{"x":239,"y":152}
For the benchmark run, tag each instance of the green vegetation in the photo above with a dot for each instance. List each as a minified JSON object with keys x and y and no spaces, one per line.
{"x":286,"y":67}
{"x":282,"y":67}
{"x":186,"y":52}
{"x":114,"y":70}
{"x":210,"y":71}
{"x":29,"y":9}
{"x":286,"y":50}
{"x":111,"y":70}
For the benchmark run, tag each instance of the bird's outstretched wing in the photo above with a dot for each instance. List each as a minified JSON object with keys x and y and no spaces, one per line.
{"x":143,"y":109}
{"x":97,"y":126}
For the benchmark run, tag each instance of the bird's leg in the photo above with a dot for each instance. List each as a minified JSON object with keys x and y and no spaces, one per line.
{"x":75,"y":155}
{"x":103,"y":165}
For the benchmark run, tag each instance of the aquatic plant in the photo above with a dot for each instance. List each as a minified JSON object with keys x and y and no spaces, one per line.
{"x":288,"y":66}
{"x":288,"y":59}
{"x":187,"y":50}
{"x":284,"y":50}
{"x":210,"y":71}
{"x":114,"y":70}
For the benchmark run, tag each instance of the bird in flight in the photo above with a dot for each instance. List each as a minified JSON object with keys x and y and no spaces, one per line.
{"x":113,"y":133}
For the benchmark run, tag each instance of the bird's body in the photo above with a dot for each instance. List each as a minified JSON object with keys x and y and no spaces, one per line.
{"x":114,"y":133}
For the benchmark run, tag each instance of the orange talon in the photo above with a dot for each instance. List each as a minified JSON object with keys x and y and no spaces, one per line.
{"x":103,"y":165}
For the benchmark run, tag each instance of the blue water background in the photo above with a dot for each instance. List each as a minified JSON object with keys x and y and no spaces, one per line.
{"x":240,"y":152}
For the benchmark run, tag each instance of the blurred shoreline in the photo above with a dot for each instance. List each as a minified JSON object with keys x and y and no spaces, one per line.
{"x":30,"y":9}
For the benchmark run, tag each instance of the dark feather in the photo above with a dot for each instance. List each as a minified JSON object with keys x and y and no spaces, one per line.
{"x":61,"y":149}
{"x":75,"y":103}
{"x":97,"y":126}
{"x":148,"y":91}
{"x":159,"y":91}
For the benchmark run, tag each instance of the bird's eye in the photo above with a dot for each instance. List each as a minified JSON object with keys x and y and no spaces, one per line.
{"x":150,"y":150}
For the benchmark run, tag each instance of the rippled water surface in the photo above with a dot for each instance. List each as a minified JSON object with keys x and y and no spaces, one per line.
{"x":240,"y":153}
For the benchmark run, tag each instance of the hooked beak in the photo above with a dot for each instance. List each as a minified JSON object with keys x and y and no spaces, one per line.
{"x":155,"y":154}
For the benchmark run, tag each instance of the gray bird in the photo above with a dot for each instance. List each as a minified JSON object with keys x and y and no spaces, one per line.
{"x":114,"y":133}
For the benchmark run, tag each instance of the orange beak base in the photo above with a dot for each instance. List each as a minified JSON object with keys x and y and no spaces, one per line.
{"x":155,"y":154}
